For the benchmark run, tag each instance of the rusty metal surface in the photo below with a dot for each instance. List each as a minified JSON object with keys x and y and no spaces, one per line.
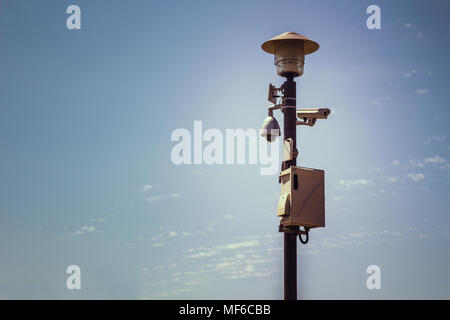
{"x":310,"y":46}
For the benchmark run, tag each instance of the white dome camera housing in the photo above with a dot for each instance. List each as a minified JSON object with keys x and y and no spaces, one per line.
{"x":270,"y":129}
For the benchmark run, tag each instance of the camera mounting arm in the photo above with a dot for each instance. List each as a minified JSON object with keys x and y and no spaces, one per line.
{"x":274,"y":107}
{"x":273,"y":93}
{"x":307,"y":122}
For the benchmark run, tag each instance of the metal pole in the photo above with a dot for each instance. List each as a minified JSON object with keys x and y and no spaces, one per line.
{"x":290,"y":240}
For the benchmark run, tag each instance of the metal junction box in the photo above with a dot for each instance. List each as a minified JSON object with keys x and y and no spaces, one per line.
{"x":302,"y":200}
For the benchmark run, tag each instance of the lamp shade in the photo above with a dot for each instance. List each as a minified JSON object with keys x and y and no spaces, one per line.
{"x":290,"y":49}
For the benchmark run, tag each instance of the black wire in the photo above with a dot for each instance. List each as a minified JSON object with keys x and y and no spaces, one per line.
{"x":307,"y":236}
{"x":301,"y":239}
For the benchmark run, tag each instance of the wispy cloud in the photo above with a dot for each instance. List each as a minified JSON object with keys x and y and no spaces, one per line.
{"x":153,"y":199}
{"x":416,"y":163}
{"x":160,"y":197}
{"x":159,"y":244}
{"x":416,"y":176}
{"x":410,"y":73}
{"x":390,"y":232}
{"x":422,"y":91}
{"x":85,"y":229}
{"x":357,"y":238}
{"x":393,"y":179}
{"x":148,"y":187}
{"x":236,"y":245}
{"x":435,"y":160}
{"x":172,"y":234}
{"x":348,"y":184}
{"x":381,"y":100}
{"x":439,"y":138}
{"x":202,"y":254}
{"x":212,"y":251}
{"x":245,"y":257}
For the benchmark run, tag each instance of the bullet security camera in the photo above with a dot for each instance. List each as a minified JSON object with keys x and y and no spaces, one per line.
{"x":270,"y":129}
{"x":313,"y":113}
{"x":309,"y":116}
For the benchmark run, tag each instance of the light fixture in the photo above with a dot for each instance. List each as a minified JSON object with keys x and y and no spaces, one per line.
{"x":289,"y":50}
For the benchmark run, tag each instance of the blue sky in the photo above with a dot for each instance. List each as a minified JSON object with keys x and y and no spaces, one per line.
{"x":86,"y":176}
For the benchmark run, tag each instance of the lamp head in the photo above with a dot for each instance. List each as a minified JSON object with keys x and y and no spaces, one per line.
{"x":289,"y":50}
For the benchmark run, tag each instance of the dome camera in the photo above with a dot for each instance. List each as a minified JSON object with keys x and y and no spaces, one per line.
{"x":270,"y":129}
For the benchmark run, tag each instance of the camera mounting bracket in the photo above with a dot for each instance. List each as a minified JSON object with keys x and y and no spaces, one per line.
{"x":296,"y":231}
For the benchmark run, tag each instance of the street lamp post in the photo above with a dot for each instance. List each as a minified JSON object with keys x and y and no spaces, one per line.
{"x":290,"y":240}
{"x":289,"y":50}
